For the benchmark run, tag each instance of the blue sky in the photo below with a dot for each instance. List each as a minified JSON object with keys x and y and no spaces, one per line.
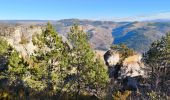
{"x":84,"y":9}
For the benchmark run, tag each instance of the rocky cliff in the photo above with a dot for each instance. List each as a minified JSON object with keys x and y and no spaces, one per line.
{"x":20,"y":37}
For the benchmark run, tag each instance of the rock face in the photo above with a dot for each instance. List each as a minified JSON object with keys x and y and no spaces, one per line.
{"x":21,"y":38}
{"x":111,"y":58}
{"x":133,"y":67}
{"x":127,"y":70}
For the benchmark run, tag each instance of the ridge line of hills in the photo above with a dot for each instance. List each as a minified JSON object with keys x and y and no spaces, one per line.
{"x":103,"y":34}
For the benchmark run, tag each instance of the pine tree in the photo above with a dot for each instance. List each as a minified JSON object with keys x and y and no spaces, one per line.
{"x":48,"y":64}
{"x":157,"y":59}
{"x":89,"y":74}
{"x":17,"y":68}
{"x":13,"y":70}
{"x":3,"y":46}
{"x":3,"y":57}
{"x":3,"y":53}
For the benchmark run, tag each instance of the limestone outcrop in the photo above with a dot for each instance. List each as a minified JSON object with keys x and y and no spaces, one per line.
{"x":20,"y":37}
{"x":127,"y":70}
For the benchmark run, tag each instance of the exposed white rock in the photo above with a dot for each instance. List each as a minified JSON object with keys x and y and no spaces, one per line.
{"x":114,"y":59}
{"x":23,"y":31}
{"x":111,"y":58}
{"x":132,"y":66}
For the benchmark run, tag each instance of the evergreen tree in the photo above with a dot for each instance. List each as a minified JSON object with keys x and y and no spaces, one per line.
{"x":157,"y":59}
{"x":3,"y":46}
{"x":89,"y":74}
{"x":3,"y":53}
{"x":3,"y":57}
{"x":48,"y":64}
{"x":13,"y":70}
{"x":17,"y":68}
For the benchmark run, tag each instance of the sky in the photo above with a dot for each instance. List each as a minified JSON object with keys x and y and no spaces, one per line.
{"x":84,"y":9}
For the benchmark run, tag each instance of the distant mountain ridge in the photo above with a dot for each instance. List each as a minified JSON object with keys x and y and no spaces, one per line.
{"x":136,"y":35}
{"x":102,"y":34}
